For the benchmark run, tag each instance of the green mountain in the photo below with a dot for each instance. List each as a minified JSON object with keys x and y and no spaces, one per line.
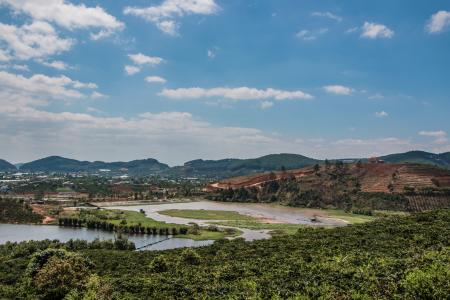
{"x":421,"y":157}
{"x":66,"y":165}
{"x":237,"y":167}
{"x":6,"y":166}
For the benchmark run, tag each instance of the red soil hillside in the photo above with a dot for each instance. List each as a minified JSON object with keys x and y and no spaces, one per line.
{"x":373,"y":177}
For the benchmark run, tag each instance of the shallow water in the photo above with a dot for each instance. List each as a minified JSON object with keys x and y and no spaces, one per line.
{"x":277,"y":214}
{"x":20,"y":233}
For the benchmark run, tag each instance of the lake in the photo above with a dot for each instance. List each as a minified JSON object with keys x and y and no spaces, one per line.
{"x":20,"y":233}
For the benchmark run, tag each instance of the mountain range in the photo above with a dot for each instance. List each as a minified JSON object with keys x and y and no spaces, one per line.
{"x":208,"y":168}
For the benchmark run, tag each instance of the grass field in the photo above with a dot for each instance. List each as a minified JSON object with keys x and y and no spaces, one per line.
{"x":234,"y":219}
{"x":202,"y":214}
{"x":130,"y":218}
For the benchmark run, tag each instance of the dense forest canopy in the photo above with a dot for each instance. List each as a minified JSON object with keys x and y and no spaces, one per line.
{"x":396,"y":257}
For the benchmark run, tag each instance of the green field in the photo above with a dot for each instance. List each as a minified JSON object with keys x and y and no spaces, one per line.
{"x":132,"y":218}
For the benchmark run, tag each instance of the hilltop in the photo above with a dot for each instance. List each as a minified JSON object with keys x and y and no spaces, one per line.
{"x":421,"y":157}
{"x":6,"y":166}
{"x":346,"y":186}
{"x":236,"y":167}
{"x":222,"y":168}
{"x":65,"y":165}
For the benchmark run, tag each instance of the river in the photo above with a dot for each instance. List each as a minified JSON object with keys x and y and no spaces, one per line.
{"x":20,"y":233}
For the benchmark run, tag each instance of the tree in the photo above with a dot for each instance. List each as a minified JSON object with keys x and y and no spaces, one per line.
{"x":53,"y":273}
{"x":190,"y":257}
{"x":316,"y":168}
{"x":159,"y":265}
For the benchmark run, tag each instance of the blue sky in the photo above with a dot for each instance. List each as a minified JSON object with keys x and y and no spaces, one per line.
{"x":179,"y":80}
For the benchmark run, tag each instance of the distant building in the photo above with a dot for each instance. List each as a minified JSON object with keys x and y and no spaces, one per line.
{"x":376,"y":160}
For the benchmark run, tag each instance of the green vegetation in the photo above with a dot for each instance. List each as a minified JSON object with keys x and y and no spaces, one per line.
{"x":202,"y":214}
{"x":64,"y":165}
{"x":331,"y":186}
{"x":398,"y":257}
{"x":17,"y":211}
{"x":237,"y":167}
{"x":276,"y":228}
{"x":419,"y":157}
{"x":6,"y":166}
{"x":137,"y":222}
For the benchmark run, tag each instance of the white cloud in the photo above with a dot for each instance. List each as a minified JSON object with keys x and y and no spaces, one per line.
{"x":438,"y":22}
{"x":212,"y":52}
{"x":338,"y":90}
{"x":41,"y":87}
{"x":309,"y":35}
{"x":155,"y":79}
{"x":240,"y":93}
{"x":351,"y":30}
{"x":266,"y":104}
{"x":131,"y":70}
{"x":97,"y":95}
{"x":168,"y":27}
{"x":56,"y":64}
{"x":102,"y":34}
{"x":165,"y":14}
{"x":440,"y":136}
{"x":381,"y":114}
{"x":35,"y":40}
{"x":328,"y":15}
{"x":65,"y":14}
{"x":376,"y":96}
{"x":141,"y":59}
{"x":374,"y":31}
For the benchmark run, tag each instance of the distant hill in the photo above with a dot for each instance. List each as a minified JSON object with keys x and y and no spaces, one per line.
{"x":6,"y":166}
{"x":66,"y":165}
{"x":222,"y":168}
{"x":237,"y":167}
{"x":379,"y":186}
{"x":420,"y":157}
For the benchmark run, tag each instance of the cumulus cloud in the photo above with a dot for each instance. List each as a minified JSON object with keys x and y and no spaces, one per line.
{"x":439,"y":136}
{"x":309,"y":35}
{"x":381,"y":114}
{"x":338,"y":90}
{"x":65,"y":14}
{"x":155,"y":79}
{"x":131,"y":70}
{"x":266,"y":104}
{"x":438,"y":22}
{"x":236,"y":94}
{"x":164,"y":16}
{"x":142,"y":59}
{"x":97,"y":95}
{"x":56,"y":64}
{"x":376,"y":31}
{"x":36,"y":40}
{"x":328,"y":15}
{"x":42,"y":87}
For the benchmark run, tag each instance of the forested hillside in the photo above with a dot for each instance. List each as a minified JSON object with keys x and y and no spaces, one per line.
{"x":65,"y":165}
{"x":6,"y":166}
{"x":393,"y":258}
{"x":372,"y":186}
{"x":236,"y":167}
{"x":419,"y":157}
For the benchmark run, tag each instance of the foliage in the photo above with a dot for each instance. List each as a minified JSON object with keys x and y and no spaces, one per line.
{"x":398,"y":257}
{"x":17,"y":211}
